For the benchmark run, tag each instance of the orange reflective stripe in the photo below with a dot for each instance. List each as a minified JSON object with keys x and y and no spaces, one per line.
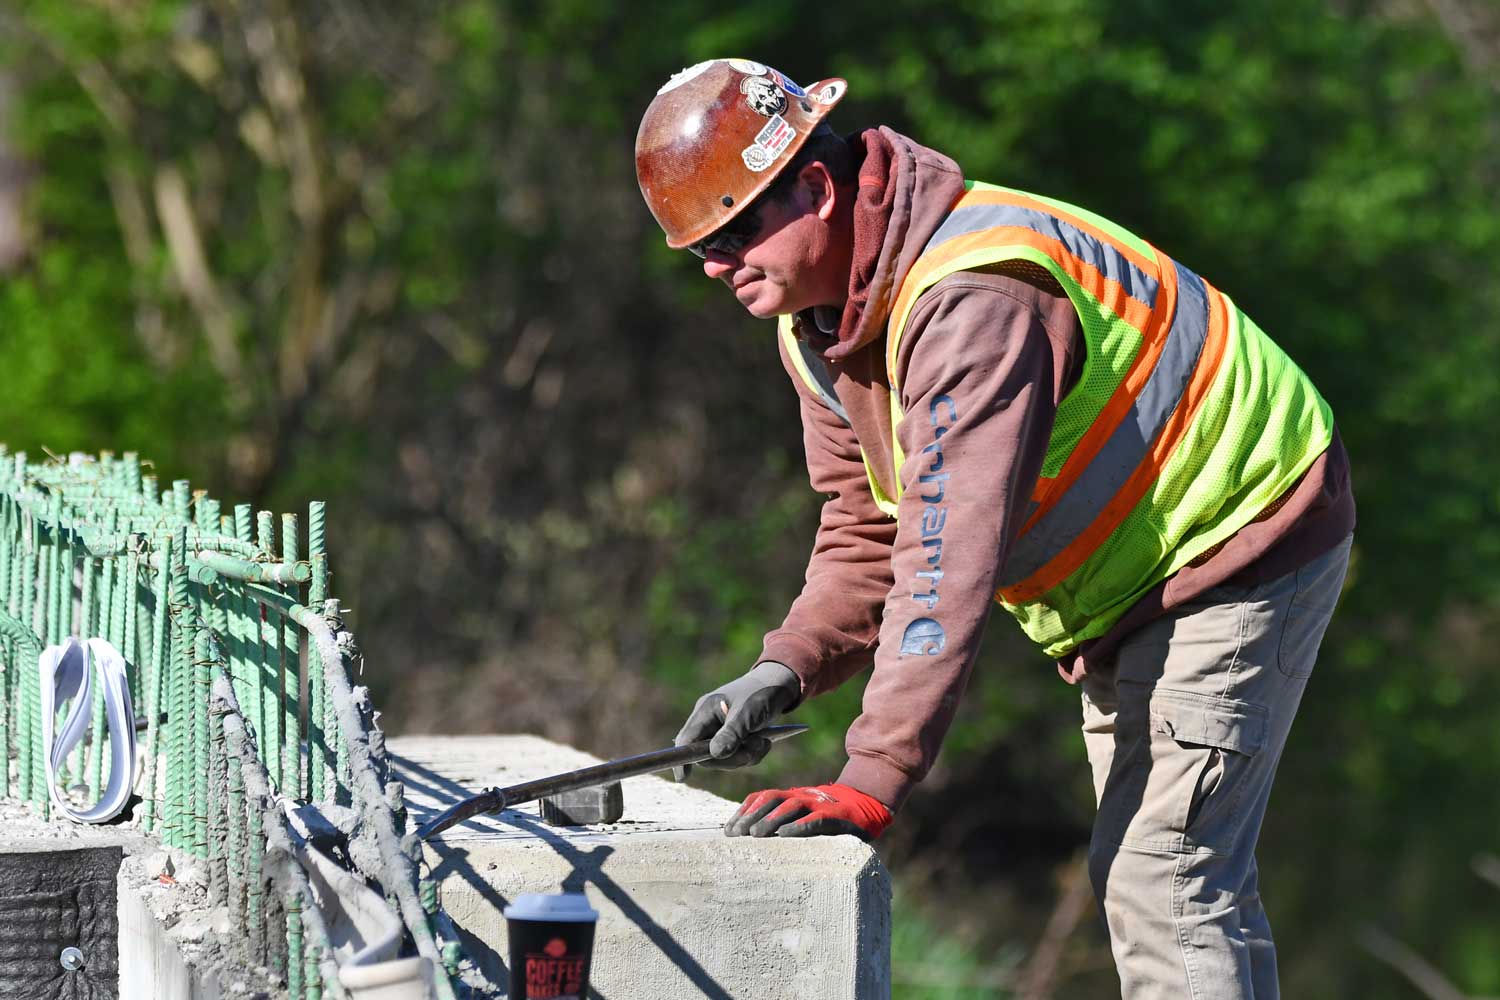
{"x":1161,"y":450}
{"x":1109,"y":293}
{"x":1154,"y":334}
{"x":987,"y":197}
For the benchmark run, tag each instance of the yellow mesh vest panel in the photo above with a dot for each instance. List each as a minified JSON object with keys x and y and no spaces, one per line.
{"x":1261,"y":425}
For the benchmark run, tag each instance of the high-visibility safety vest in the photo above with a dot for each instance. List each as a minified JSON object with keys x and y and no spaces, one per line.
{"x":1185,"y":424}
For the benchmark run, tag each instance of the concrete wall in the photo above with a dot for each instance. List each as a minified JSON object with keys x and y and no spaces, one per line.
{"x":152,"y":966}
{"x":97,"y":888}
{"x":55,"y":901}
{"x":684,"y":911}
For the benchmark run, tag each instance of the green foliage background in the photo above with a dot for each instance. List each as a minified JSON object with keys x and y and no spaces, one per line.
{"x":562,"y":461}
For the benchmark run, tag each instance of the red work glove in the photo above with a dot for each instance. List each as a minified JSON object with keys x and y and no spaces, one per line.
{"x":810,"y":812}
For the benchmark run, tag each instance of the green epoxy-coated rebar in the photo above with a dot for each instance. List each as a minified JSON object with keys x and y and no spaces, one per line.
{"x":15,"y":700}
{"x":244,"y":610}
{"x":47,"y":568}
{"x":235,"y":837}
{"x":180,"y":715}
{"x":90,"y":622}
{"x":7,"y":525}
{"x":199,"y":631}
{"x":242,"y":666}
{"x":218,"y":660}
{"x":117,"y":607}
{"x":294,"y":944}
{"x":182,"y":499}
{"x":202,"y":678}
{"x":295,"y":694}
{"x":7,"y":659}
{"x":96,"y":622}
{"x":132,"y":473}
{"x":129,"y":610}
{"x":255,"y":879}
{"x":218,"y":809}
{"x":156,"y":690}
{"x":256,"y":572}
{"x":269,"y":658}
{"x":314,"y":973}
{"x":326,"y":751}
{"x":291,"y":673}
{"x":35,"y":566}
{"x":58,"y":586}
{"x":19,"y":645}
{"x":8,"y":654}
{"x":52,"y":608}
{"x":208,"y":512}
{"x":76,"y":771}
{"x":30,"y":682}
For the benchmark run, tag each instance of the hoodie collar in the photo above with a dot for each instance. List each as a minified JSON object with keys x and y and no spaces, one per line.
{"x":905,"y":191}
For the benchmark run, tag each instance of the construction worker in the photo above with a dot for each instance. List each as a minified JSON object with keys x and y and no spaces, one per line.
{"x":1009,"y":399}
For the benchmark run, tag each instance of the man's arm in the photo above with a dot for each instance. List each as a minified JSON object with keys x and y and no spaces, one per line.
{"x":832,"y":628}
{"x":830,"y":632}
{"x":985,"y":361}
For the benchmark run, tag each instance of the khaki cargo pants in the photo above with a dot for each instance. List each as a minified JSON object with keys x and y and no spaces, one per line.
{"x":1183,"y":736}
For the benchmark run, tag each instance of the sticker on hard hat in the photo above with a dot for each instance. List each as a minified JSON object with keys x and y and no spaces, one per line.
{"x":787,"y":84}
{"x":763,"y":95}
{"x":830,"y":92}
{"x":748,"y":66}
{"x":756,"y":158}
{"x":770,"y":142}
{"x":684,"y":75}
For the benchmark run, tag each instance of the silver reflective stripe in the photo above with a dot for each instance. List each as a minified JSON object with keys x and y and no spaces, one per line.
{"x":1102,"y":478}
{"x":1115,"y":265}
{"x":822,"y":381}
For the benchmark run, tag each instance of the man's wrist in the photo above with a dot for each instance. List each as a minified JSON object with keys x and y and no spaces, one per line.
{"x":797,"y":653}
{"x":777,"y":674}
{"x":879,"y":779}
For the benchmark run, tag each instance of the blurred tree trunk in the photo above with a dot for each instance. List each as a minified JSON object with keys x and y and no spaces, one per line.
{"x":12,"y":184}
{"x":1474,"y":27}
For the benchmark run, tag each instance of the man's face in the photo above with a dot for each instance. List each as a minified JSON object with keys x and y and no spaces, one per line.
{"x":782,"y":267}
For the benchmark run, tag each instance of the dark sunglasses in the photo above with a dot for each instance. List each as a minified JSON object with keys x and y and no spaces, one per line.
{"x":734,"y":235}
{"x":740,"y":231}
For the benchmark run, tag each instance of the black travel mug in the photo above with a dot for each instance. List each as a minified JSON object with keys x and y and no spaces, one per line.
{"x":551,"y":945}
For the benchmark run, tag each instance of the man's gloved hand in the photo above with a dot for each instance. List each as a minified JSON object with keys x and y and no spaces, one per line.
{"x":823,"y":810}
{"x":728,"y":714}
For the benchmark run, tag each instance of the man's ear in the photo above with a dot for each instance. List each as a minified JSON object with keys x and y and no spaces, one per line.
{"x":817,"y":185}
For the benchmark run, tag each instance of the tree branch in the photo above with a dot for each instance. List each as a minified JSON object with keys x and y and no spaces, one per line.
{"x":190,"y":264}
{"x":129,"y":201}
{"x":95,"y":80}
{"x":13,"y":237}
{"x":1487,"y":867}
{"x":1476,"y":33}
{"x":1039,"y":978}
{"x":273,"y":44}
{"x":1414,"y":967}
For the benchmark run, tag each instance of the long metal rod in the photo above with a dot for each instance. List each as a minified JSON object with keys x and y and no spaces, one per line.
{"x":493,"y":800}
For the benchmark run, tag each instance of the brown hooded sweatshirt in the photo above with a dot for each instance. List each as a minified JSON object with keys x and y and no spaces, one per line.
{"x":986,"y":356}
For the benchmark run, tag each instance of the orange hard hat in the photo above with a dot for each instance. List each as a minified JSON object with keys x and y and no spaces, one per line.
{"x":717,"y":135}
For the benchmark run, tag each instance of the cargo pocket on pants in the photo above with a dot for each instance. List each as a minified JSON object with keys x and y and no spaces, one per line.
{"x":1199,"y":752}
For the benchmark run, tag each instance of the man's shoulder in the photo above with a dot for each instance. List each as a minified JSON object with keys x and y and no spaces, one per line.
{"x":995,"y":294}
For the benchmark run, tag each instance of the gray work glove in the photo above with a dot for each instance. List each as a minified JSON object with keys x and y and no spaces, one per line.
{"x":729,"y":713}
